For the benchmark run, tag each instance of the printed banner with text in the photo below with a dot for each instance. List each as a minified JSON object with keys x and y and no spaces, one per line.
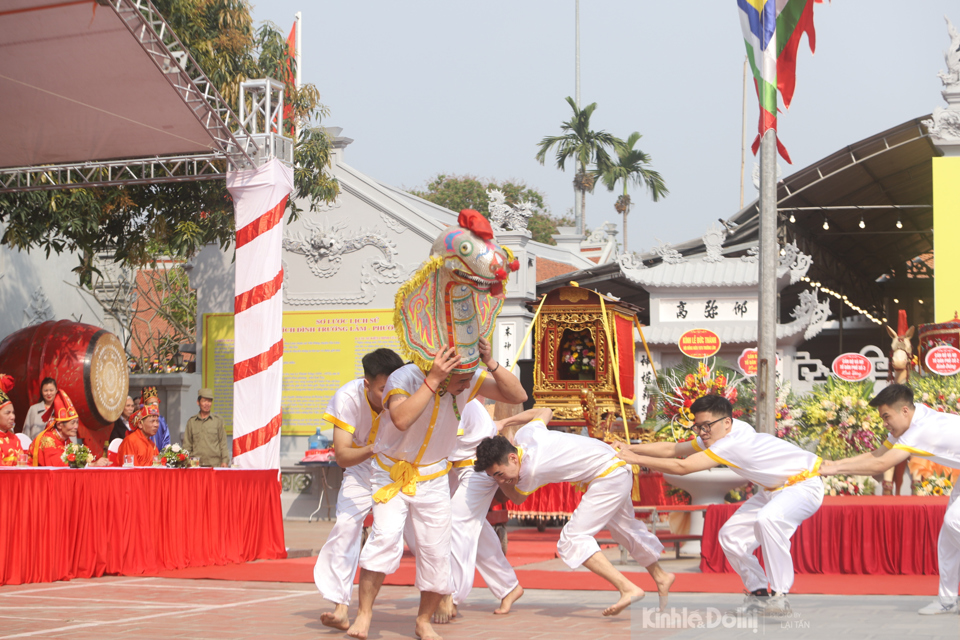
{"x":321,"y":353}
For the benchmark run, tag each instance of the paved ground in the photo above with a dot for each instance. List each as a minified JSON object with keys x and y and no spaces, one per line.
{"x":113,"y":607}
{"x":201,"y":609}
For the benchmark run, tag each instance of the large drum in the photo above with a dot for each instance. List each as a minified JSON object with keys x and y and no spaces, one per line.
{"x":88,"y":363}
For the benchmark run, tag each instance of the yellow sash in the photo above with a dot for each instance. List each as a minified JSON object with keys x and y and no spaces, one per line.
{"x":800,"y":477}
{"x":583,"y":486}
{"x":405,"y":477}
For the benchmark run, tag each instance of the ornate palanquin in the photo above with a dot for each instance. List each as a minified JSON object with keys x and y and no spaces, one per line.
{"x":575,"y":330}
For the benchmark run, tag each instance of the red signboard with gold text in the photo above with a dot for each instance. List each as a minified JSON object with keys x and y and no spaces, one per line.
{"x":699,"y":343}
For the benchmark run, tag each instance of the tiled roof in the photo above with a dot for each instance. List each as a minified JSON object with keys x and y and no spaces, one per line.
{"x":729,"y":272}
{"x":547,"y":268}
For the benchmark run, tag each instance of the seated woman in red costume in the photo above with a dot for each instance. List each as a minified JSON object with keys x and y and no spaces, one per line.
{"x":138,"y":443}
{"x":10,"y":448}
{"x":62,"y":424}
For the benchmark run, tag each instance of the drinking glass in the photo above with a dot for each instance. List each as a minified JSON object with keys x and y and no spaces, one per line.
{"x":23,"y":460}
{"x":156,"y":461}
{"x":194,"y":461}
{"x":128,"y":461}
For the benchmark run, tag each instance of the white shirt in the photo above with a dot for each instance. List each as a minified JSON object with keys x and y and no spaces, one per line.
{"x":34,"y":424}
{"x":350,"y":410}
{"x":554,"y":456}
{"x":761,"y":458}
{"x":433,"y":436}
{"x":475,"y":425}
{"x":931,"y":434}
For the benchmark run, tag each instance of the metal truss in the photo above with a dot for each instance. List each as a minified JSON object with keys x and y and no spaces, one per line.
{"x":211,"y":166}
{"x":159,"y":42}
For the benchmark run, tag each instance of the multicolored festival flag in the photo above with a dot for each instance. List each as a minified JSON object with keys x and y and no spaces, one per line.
{"x":771,"y":31}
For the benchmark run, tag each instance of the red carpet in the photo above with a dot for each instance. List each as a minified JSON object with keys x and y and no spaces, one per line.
{"x":527,"y":546}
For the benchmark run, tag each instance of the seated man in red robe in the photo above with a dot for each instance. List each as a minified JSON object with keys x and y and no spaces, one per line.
{"x":138,"y":443}
{"x":62,"y":424}
{"x":10,"y":448}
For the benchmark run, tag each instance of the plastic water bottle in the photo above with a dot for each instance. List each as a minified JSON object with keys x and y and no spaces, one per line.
{"x":316,"y":441}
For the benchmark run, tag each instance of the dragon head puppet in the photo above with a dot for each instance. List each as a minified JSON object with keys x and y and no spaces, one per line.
{"x":454,"y":298}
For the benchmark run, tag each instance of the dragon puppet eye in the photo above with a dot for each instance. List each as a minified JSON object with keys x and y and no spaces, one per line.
{"x":466,"y":248}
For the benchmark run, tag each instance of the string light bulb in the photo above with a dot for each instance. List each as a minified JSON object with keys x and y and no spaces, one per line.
{"x":793,"y":218}
{"x":899,"y":224}
{"x":862,"y":223}
{"x":826,"y":225}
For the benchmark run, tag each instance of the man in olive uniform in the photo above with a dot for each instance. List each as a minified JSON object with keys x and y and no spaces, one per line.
{"x":204,"y":436}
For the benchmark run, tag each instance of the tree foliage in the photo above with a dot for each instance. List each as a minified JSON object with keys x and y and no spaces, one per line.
{"x":179,"y":217}
{"x":631,"y":167}
{"x":469,"y":192}
{"x":584,"y":146}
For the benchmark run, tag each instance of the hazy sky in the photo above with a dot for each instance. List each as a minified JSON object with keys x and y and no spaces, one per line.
{"x":470,"y":88}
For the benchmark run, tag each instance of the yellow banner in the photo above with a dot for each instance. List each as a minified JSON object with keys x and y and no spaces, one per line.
{"x":321,"y":353}
{"x":946,"y":230}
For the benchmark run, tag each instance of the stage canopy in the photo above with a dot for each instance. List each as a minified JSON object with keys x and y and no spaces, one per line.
{"x":106,"y":84}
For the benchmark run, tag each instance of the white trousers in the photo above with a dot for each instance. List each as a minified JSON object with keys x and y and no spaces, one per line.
{"x":768,"y":520}
{"x":473,"y":542}
{"x":948,"y":551}
{"x":337,"y":563}
{"x":607,"y":504}
{"x":429,"y":514}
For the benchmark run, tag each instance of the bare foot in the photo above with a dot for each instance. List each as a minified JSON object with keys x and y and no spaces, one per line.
{"x":360,"y":626}
{"x":446,"y":611}
{"x":663,"y":589}
{"x":338,"y":619}
{"x":425,"y":631}
{"x":508,"y":600}
{"x":627,"y":598}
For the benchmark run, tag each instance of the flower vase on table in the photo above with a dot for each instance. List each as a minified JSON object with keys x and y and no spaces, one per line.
{"x":175,"y":456}
{"x":76,"y":456}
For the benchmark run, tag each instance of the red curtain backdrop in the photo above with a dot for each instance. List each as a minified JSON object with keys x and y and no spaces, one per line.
{"x":624,"y":329}
{"x":560,"y":500}
{"x":886,"y":535}
{"x":59,"y":524}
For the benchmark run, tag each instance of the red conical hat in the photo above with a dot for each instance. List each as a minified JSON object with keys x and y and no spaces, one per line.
{"x":61,"y":410}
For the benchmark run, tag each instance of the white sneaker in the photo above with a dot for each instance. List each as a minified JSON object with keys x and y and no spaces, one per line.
{"x":752,"y":604}
{"x":776,"y":605}
{"x":935,"y":608}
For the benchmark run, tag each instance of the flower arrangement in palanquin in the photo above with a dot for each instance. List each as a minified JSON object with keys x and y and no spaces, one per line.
{"x":839,"y":418}
{"x":681,"y":386}
{"x":578,"y":353}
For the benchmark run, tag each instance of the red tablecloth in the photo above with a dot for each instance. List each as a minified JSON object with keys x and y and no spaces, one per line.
{"x":560,"y":500}
{"x":58,"y":524}
{"x":890,"y":535}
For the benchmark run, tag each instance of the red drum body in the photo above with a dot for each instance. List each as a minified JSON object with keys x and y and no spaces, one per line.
{"x":88,"y":363}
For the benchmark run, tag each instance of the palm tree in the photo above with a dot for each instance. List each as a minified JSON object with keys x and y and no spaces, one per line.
{"x":585,"y":147}
{"x":631,"y":167}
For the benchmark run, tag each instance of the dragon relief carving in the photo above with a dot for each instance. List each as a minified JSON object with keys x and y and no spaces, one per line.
{"x":503,"y":217}
{"x":631,"y":261}
{"x":667,"y":253}
{"x":713,"y":242}
{"x":795,"y":260}
{"x":812,"y":309}
{"x":324,"y":249}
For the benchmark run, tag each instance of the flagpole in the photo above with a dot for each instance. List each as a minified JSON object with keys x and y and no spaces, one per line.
{"x":299,"y":52}
{"x":576,"y":196}
{"x":743,"y":131}
{"x":767,"y":322}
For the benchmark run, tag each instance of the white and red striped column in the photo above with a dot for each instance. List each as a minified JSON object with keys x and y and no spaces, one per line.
{"x":260,"y":197}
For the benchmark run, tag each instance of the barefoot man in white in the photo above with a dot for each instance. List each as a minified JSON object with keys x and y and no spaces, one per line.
{"x":354,"y":411}
{"x":538,"y":456}
{"x":415,"y":439}
{"x":916,"y":429}
{"x":792,"y":493}
{"x":474,"y":543}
